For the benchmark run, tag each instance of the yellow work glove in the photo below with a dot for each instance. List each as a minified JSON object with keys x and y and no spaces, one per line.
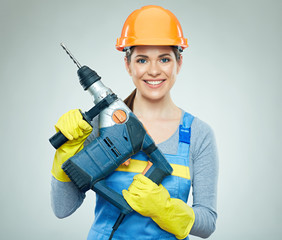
{"x":150,"y":200}
{"x":74,"y":128}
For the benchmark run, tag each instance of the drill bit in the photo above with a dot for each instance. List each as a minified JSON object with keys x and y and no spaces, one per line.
{"x":71,"y":56}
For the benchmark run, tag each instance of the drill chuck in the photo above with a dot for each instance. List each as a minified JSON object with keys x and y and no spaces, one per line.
{"x":87,"y":77}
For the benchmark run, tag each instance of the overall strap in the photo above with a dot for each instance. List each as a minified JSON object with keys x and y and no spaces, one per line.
{"x":184,"y":135}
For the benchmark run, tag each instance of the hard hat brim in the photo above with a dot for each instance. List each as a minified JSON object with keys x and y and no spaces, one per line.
{"x":126,"y":42}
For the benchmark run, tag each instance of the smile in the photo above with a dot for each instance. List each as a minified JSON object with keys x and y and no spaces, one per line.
{"x":155,"y":82}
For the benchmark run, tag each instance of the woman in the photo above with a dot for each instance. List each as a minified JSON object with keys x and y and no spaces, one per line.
{"x":153,"y":42}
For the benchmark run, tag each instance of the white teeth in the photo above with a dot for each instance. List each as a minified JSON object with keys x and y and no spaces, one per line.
{"x":154,"y":82}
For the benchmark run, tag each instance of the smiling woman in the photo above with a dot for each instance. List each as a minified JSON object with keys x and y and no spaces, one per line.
{"x":153,"y":41}
{"x":153,"y":70}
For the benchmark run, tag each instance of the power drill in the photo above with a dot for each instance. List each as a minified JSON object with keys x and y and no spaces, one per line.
{"x":121,"y":135}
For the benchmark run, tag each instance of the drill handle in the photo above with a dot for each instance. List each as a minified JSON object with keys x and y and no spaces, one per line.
{"x":58,"y":139}
{"x":111,"y":196}
{"x":141,"y":140}
{"x":160,"y":167}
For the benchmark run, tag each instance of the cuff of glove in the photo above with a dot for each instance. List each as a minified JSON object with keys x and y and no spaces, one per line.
{"x":61,"y":156}
{"x":60,"y":175}
{"x":178,"y":220}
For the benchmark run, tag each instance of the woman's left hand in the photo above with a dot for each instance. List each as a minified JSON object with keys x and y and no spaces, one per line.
{"x":152,"y":200}
{"x":145,"y":196}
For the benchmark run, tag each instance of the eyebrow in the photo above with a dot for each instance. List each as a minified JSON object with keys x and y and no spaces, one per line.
{"x":165,"y":54}
{"x":144,"y":56}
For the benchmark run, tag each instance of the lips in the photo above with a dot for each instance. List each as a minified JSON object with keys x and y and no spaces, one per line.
{"x":154,"y":83}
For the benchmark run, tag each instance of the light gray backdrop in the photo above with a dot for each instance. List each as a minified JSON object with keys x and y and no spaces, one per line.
{"x":231,"y":78}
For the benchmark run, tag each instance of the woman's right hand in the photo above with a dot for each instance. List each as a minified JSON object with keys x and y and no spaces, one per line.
{"x":73,"y":127}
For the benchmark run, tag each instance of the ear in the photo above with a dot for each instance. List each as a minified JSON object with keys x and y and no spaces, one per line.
{"x":179,"y":64}
{"x":127,"y":66}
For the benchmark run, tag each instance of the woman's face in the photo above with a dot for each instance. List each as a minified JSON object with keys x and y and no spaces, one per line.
{"x":153,"y":70}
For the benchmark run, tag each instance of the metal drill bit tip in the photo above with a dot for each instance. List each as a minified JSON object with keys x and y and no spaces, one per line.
{"x":71,"y":56}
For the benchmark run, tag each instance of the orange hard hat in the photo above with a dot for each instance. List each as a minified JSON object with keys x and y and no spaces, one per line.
{"x":151,"y":25}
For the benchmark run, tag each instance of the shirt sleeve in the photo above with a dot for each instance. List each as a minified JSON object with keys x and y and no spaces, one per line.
{"x":65,"y":198}
{"x":204,"y":161}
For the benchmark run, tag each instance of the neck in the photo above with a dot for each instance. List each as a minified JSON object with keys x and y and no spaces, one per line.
{"x":145,"y":108}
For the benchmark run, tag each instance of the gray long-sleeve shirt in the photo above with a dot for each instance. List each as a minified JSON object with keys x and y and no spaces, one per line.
{"x":66,"y":198}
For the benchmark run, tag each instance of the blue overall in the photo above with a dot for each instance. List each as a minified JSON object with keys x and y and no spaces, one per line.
{"x":134,"y":225}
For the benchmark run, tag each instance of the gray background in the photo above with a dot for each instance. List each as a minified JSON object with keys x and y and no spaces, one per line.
{"x":231,"y":78}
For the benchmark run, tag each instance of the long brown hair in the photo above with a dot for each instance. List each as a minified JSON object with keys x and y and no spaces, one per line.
{"x":130,"y":100}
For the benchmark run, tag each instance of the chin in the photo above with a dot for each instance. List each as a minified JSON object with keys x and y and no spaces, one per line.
{"x":154,"y":96}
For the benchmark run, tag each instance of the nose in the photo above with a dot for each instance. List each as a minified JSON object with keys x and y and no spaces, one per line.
{"x":154,"y":69}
